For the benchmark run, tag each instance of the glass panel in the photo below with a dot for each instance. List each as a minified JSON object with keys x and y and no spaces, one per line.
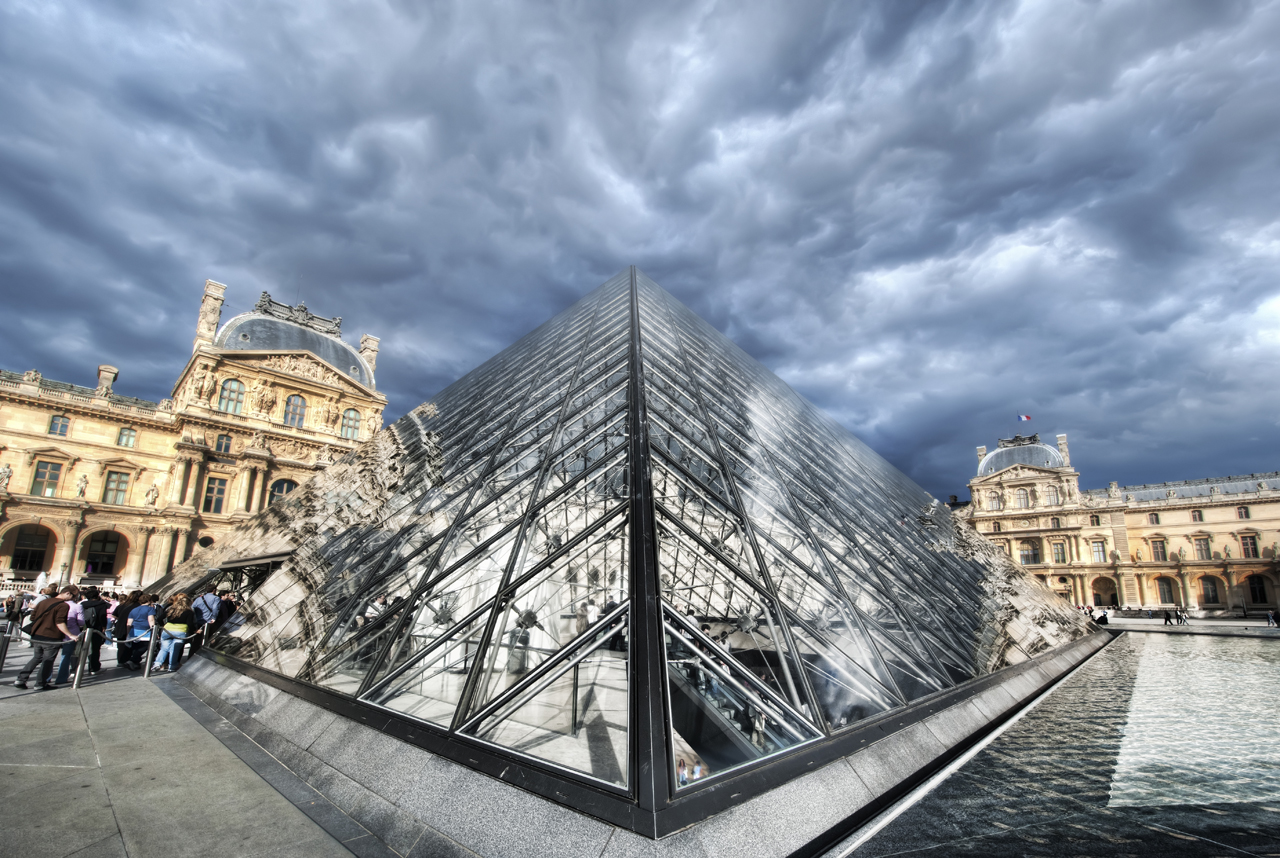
{"x":576,"y":714}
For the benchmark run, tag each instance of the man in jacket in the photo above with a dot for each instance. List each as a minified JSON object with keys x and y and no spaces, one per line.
{"x":206,"y":609}
{"x":94,"y":609}
{"x":48,"y":631}
{"x":75,"y":625}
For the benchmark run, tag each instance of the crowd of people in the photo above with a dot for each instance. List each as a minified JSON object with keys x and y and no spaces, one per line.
{"x":64,"y":621}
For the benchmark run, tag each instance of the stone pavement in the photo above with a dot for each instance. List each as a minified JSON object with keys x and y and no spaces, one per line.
{"x":120,"y":769}
{"x":1254,"y":626}
{"x":1159,"y":745}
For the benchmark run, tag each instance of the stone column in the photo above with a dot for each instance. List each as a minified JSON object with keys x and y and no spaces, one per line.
{"x":1189,"y":600}
{"x":242,"y":490}
{"x":259,"y":484}
{"x":66,"y":554}
{"x":180,"y":467}
{"x":158,"y":566}
{"x":132,"y":578}
{"x":193,"y":486}
{"x":180,"y":553}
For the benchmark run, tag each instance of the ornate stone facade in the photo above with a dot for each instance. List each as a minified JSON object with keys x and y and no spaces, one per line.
{"x":1209,"y":546}
{"x":104,"y":488}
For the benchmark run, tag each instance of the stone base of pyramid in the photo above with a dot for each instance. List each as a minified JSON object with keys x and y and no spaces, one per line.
{"x":420,"y":803}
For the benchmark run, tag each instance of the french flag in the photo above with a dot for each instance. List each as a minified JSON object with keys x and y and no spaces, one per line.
{"x":1022,"y":418}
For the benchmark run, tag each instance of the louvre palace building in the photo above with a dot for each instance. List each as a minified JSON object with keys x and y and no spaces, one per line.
{"x":98,"y":487}
{"x":1209,"y":546}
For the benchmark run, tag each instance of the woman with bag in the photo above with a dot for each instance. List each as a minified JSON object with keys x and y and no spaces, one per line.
{"x":179,"y":621}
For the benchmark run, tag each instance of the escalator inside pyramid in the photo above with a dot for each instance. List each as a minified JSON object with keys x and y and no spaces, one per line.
{"x":623,"y":553}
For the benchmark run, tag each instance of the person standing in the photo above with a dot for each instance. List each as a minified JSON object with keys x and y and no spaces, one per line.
{"x":1168,"y":618}
{"x":206,"y":609}
{"x":179,"y":621}
{"x":138,"y":628}
{"x":94,"y":609}
{"x":120,"y":627}
{"x":48,"y":631}
{"x":75,"y":623}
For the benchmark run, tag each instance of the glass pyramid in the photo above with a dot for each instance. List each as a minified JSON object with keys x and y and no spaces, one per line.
{"x":625,"y":555}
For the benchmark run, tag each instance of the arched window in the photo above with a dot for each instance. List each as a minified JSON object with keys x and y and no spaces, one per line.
{"x":1257,"y":590}
{"x":127,"y":437}
{"x":295,"y":411}
{"x":351,"y":424}
{"x":1051,"y":495}
{"x":1094,"y":521}
{"x":279,"y":489}
{"x":995,"y":527}
{"x":1028,"y":552}
{"x":1023,"y":499}
{"x":231,"y":399}
{"x":1153,"y":518}
{"x":1165,"y":586}
{"x":1209,"y":594}
{"x":58,"y":425}
{"x":993,"y":500}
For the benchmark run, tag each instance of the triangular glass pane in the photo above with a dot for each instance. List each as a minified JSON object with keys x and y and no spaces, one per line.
{"x":576,"y":714}
{"x":844,"y":692}
{"x":351,"y":654}
{"x":574,"y":509}
{"x":696,"y":509}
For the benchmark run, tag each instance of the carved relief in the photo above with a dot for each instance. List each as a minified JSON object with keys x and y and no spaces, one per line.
{"x":32,"y":375}
{"x":303,"y":367}
{"x":299,"y":315}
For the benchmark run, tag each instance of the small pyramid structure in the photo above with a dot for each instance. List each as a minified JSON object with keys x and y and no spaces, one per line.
{"x":628,"y":558}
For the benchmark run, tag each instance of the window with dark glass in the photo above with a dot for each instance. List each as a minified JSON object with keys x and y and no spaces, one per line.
{"x":29,"y":548}
{"x":100,"y":557}
{"x":215,"y":491}
{"x":995,"y":527}
{"x":223,"y":445}
{"x":1099,"y":552}
{"x":1242,"y":512}
{"x":1059,"y":552}
{"x":1257,"y":590}
{"x":231,"y":398}
{"x":1055,"y":523}
{"x":1023,"y":499}
{"x":58,"y":425}
{"x":45,"y":484}
{"x":279,"y":489}
{"x":351,"y":424}
{"x":1197,"y":515}
{"x":1153,"y":518}
{"x":116,"y":488}
{"x":1095,"y":521}
{"x":1209,"y":591}
{"x":127,"y":437}
{"x":1158,"y":551}
{"x":1051,"y":495}
{"x":1165,"y":586}
{"x":295,"y":410}
{"x":1249,"y":546}
{"x":1028,"y":552}
{"x":1203,"y":552}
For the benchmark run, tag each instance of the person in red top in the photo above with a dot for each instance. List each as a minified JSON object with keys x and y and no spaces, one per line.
{"x":48,"y":631}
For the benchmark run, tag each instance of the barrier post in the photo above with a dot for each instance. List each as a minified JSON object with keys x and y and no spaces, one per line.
{"x":151,"y":651}
{"x":4,"y":643}
{"x":84,"y":656}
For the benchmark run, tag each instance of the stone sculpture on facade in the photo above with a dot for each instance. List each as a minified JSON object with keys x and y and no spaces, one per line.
{"x":6,"y":473}
{"x":82,"y":486}
{"x":153,"y":494}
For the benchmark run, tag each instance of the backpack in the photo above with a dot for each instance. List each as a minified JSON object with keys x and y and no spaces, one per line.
{"x":94,"y":616}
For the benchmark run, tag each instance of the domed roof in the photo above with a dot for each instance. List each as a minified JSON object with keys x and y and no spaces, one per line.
{"x":264,"y":330}
{"x":1036,"y":455}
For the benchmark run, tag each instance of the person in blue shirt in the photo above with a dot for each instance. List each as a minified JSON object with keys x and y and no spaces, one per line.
{"x":141,"y":620}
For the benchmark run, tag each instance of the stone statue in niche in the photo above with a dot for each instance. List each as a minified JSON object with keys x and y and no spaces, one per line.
{"x":153,"y":494}
{"x":6,"y":473}
{"x":82,"y":486}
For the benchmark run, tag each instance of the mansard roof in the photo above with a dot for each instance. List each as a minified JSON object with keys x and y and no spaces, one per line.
{"x":1192,"y":488}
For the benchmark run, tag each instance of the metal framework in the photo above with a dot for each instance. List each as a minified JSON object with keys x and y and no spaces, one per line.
{"x":651,"y":570}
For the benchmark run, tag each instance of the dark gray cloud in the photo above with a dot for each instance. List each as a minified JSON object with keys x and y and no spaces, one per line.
{"x":928,"y":217}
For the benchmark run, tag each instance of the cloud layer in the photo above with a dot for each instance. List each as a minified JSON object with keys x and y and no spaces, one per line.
{"x":927,"y":217}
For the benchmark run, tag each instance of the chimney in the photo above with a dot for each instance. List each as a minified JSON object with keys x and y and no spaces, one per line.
{"x":1062,"y":448}
{"x":210,"y":314}
{"x":982,"y":451}
{"x":106,"y":377}
{"x":369,"y":351}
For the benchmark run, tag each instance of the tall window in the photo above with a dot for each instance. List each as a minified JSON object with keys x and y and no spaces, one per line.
{"x":1158,"y":551}
{"x":1055,"y":523}
{"x":1257,"y":590}
{"x":1197,"y":515}
{"x":1242,"y":512}
{"x":223,"y":445}
{"x":1203,"y":551}
{"x":117,"y":487}
{"x":1165,"y":586}
{"x":993,"y":500}
{"x":1023,"y":499}
{"x":1051,"y":495}
{"x":101,"y":556}
{"x":58,"y":425}
{"x":215,"y":491}
{"x":1249,"y":546}
{"x":351,"y":424}
{"x":1153,"y":518}
{"x":1099,"y":551}
{"x":45,"y":483}
{"x":279,"y":489}
{"x":30,"y":548}
{"x":1059,"y":552}
{"x":127,"y":437}
{"x":995,"y":527}
{"x":1028,"y":552}
{"x":295,"y":410}
{"x":1095,"y":521}
{"x":231,"y":399}
{"x":1209,"y":591}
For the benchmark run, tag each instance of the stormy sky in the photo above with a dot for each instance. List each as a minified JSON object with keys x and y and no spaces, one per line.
{"x":927,"y":217}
